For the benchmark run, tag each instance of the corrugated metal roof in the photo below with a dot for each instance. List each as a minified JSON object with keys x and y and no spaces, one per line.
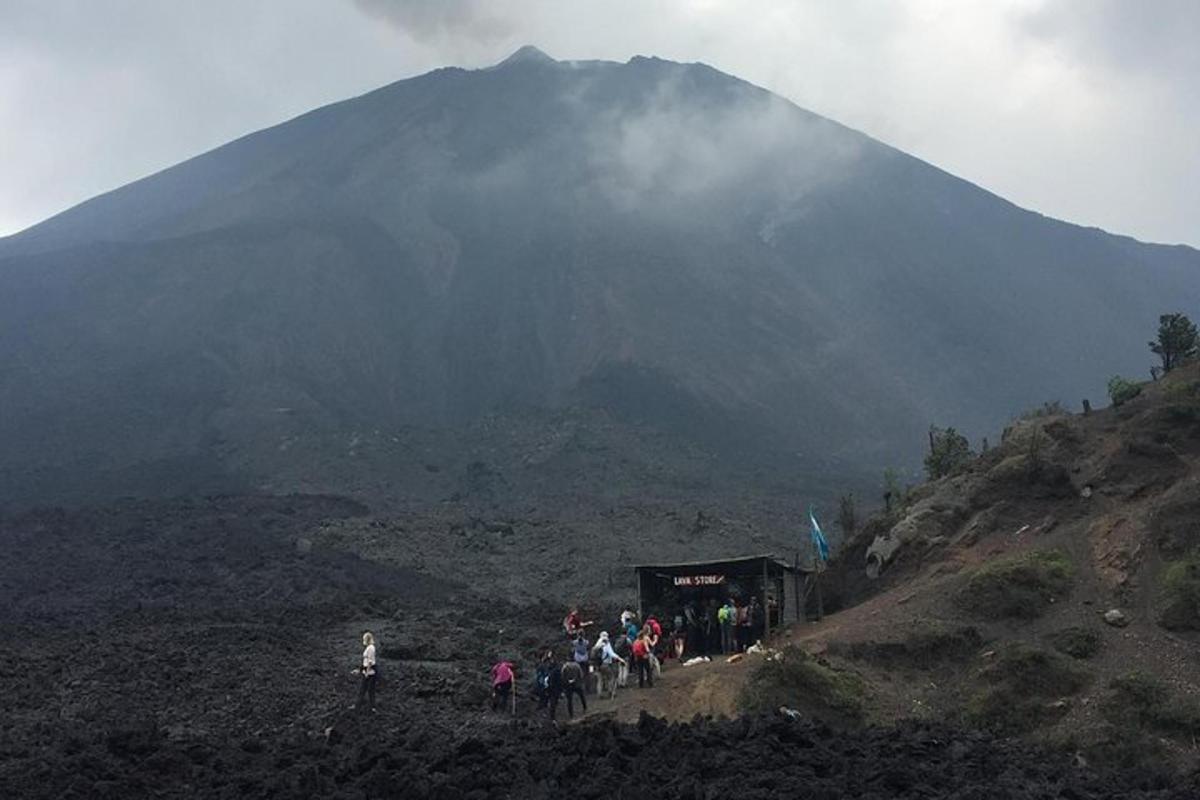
{"x":711,"y":561}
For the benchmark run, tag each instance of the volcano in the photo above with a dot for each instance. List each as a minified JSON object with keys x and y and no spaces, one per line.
{"x":659,"y":244}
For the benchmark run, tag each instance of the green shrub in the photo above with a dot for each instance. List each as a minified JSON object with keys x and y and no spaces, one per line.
{"x":1183,"y":401}
{"x":1077,"y":642}
{"x":1182,"y":391}
{"x":949,"y":450}
{"x":799,"y":681}
{"x":1017,"y":587}
{"x":1137,"y":700}
{"x":1052,"y":408}
{"x":1023,"y":690}
{"x":1181,"y":594}
{"x":1121,"y":391}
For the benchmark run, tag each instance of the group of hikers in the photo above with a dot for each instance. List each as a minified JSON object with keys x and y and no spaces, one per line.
{"x":697,"y":632}
{"x":633,"y":647}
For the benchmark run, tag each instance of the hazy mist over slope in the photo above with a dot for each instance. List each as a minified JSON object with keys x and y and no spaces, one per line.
{"x":658,"y":243}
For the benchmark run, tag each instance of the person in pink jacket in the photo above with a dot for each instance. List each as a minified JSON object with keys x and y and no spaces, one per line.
{"x":502,"y":684}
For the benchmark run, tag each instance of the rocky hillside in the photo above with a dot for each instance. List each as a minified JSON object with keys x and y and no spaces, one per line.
{"x":1051,"y":587}
{"x":655,"y":245}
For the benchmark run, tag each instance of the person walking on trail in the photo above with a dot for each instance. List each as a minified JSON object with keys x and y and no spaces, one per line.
{"x":366,"y":688}
{"x":566,"y":679}
{"x":641,"y":660}
{"x":608,"y":666}
{"x":727,"y":616}
{"x":579,"y":650}
{"x":652,"y":643}
{"x":678,"y":638}
{"x":541,"y":679}
{"x":581,"y":655}
{"x":502,"y":685}
{"x":624,"y":651}
{"x":573,"y":623}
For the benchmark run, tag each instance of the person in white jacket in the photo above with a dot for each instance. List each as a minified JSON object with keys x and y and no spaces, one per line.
{"x":609,"y":661}
{"x":366,"y":689}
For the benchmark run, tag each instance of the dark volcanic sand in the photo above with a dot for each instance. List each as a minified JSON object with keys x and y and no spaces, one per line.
{"x":192,"y":649}
{"x":421,"y":754}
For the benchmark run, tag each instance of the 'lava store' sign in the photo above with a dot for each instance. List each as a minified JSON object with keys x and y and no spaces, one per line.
{"x":699,"y":580}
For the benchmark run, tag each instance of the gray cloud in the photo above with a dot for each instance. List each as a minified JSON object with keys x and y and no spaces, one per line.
{"x":476,"y":19}
{"x":1158,"y":40}
{"x":1082,"y":109}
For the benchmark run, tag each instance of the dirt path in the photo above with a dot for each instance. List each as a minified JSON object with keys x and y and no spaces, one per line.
{"x":680,"y":693}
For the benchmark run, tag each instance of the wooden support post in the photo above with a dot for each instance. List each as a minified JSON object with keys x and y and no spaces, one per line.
{"x":798,"y":597}
{"x":766,"y":607}
{"x":818,"y":567}
{"x":820,"y":600}
{"x":641,"y":614}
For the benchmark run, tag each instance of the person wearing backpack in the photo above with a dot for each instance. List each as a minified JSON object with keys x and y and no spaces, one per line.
{"x":641,"y":660}
{"x":652,"y":645}
{"x":541,"y":679}
{"x":611,"y":665}
{"x":566,"y":679}
{"x":502,"y":684}
{"x":581,"y":655}
{"x":624,"y":650}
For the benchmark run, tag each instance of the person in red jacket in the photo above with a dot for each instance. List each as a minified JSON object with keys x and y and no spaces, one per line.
{"x":641,"y":659}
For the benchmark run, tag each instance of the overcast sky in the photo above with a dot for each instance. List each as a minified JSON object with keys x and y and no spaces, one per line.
{"x":1086,"y":110}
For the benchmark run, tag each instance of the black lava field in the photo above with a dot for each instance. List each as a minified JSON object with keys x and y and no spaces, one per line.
{"x":203,"y":649}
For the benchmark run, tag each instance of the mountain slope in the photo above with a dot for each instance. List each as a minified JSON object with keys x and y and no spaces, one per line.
{"x":666,"y":243}
{"x":1049,"y":587}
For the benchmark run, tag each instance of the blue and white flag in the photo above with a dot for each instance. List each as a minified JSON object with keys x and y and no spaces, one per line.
{"x":817,"y":536}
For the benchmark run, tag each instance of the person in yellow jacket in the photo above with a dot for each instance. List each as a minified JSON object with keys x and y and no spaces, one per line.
{"x":727,"y":618}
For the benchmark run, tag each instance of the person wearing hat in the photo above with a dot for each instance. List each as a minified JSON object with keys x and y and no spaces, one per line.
{"x":609,"y":661}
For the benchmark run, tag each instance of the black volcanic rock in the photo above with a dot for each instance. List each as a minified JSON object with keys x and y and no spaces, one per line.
{"x":659,"y":240}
